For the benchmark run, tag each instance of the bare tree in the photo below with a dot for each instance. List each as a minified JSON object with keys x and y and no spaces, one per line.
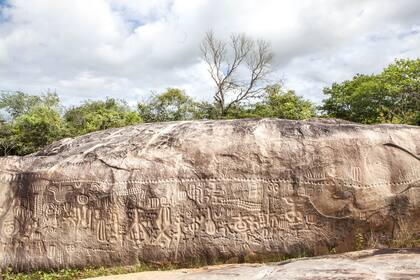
{"x":239,"y":68}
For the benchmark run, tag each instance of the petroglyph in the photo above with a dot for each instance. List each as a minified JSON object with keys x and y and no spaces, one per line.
{"x":211,"y":196}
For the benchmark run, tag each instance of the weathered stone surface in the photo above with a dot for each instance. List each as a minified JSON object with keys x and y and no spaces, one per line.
{"x":209,"y":190}
{"x":362,"y":265}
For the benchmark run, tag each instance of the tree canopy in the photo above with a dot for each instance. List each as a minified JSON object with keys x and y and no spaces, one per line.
{"x":19,"y":103}
{"x":392,"y":96}
{"x":37,"y":128}
{"x":34,"y":121}
{"x":98,"y":115}
{"x":171,"y":105}
{"x":30,"y":122}
{"x":278,"y":103}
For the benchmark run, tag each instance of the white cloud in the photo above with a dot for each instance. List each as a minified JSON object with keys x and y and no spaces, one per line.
{"x":126,"y":48}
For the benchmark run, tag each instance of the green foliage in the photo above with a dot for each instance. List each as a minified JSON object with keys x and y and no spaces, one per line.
{"x":275,"y":103}
{"x":29,"y":122}
{"x":207,"y":110}
{"x":171,"y":105}
{"x":359,"y":240}
{"x":99,"y":115}
{"x":19,"y":103}
{"x":392,"y":96}
{"x":33,"y":130}
{"x":7,"y":139}
{"x":35,"y":122}
{"x":284,"y":104}
{"x":239,"y":111}
{"x":87,"y":272}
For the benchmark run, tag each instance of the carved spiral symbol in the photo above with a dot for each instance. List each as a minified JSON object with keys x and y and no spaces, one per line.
{"x":9,"y":229}
{"x":82,"y":199}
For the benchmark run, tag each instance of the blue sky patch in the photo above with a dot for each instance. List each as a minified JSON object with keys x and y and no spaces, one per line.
{"x":3,"y":5}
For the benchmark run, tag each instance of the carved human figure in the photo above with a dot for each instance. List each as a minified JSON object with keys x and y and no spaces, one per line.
{"x":37,"y":247}
{"x":163,"y":222}
{"x":137,"y":231}
{"x":70,"y":223}
{"x":82,"y":211}
{"x":52,"y":211}
{"x":115,"y":232}
{"x":164,"y":218}
{"x":210,"y":226}
{"x":100,"y":227}
{"x":178,"y":235}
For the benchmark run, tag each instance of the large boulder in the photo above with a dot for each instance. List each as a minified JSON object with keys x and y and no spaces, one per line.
{"x":206,"y":191}
{"x":361,"y":265}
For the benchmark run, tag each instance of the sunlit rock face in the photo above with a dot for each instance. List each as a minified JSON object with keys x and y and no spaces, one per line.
{"x":206,"y":191}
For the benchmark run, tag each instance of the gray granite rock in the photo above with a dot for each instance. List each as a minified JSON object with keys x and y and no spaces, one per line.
{"x":206,"y":191}
{"x":363,"y":265}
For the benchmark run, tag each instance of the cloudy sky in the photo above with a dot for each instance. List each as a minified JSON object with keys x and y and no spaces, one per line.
{"x":90,"y":49}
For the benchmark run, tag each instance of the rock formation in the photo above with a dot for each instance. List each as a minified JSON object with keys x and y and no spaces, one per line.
{"x":361,"y":265}
{"x":209,"y":190}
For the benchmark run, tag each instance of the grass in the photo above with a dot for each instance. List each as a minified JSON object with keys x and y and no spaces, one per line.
{"x":405,"y":242}
{"x":71,"y":274}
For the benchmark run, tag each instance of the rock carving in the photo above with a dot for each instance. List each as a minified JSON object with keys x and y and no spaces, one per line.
{"x":208,"y":190}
